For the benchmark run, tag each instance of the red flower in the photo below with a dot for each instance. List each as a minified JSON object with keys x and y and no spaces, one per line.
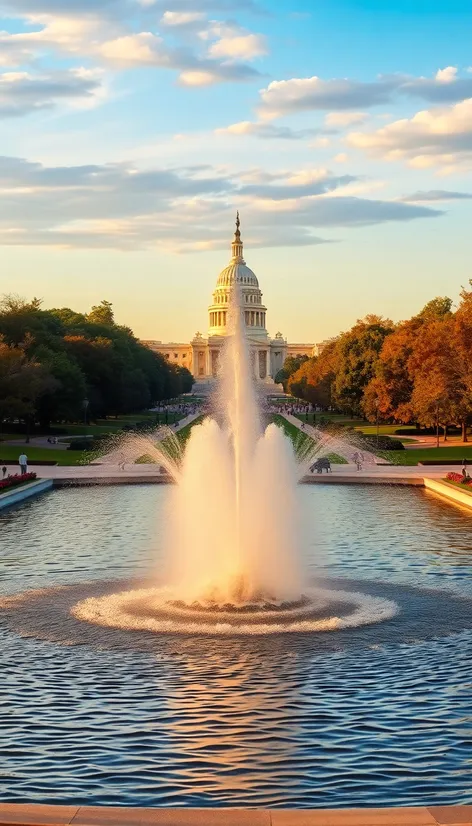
{"x":16,"y":479}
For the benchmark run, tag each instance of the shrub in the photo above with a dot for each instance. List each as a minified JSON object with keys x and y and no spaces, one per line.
{"x":81,"y":444}
{"x":382,"y":443}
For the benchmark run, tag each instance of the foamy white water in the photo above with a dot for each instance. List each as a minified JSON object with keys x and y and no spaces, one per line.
{"x":234,"y":522}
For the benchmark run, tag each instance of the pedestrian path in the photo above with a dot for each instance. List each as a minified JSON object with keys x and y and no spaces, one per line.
{"x":104,"y":470}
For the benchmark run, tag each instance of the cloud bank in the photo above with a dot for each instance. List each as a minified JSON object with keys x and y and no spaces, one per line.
{"x":119,"y":206}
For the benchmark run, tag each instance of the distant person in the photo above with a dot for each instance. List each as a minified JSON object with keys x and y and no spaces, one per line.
{"x":464,"y":465}
{"x":23,"y":463}
{"x":357,"y":460}
{"x":4,"y":470}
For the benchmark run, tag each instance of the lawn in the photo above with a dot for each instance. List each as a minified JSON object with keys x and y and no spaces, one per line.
{"x":169,"y":446}
{"x":303,"y":444}
{"x":412,"y":457}
{"x":9,"y":455}
{"x":101,"y":426}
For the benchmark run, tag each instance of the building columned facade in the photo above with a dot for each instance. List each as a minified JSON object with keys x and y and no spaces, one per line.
{"x":202,"y":355}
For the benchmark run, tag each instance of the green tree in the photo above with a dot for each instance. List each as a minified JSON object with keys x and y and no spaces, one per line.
{"x":291,"y":365}
{"x":102,"y":314}
{"x":358,"y":356}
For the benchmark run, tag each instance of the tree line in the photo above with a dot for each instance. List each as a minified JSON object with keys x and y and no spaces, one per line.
{"x":417,"y":371}
{"x":60,"y":366}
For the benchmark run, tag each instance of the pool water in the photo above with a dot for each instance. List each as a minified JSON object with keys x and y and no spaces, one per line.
{"x":373,"y":716}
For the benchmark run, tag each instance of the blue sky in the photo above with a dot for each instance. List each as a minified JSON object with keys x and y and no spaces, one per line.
{"x":132,"y":130}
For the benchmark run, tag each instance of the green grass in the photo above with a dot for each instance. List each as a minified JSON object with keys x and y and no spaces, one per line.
{"x":412,"y":457}
{"x":303,"y":444}
{"x":335,"y":418}
{"x":9,"y":454}
{"x":169,"y":446}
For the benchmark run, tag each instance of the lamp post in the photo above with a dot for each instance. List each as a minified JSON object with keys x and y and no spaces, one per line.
{"x":85,"y":405}
{"x":437,"y":423}
{"x":377,"y":420}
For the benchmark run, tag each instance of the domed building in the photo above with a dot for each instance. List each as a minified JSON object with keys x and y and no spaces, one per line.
{"x":202,"y":355}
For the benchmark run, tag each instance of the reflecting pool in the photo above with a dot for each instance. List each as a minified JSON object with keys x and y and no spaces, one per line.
{"x":375,"y":715}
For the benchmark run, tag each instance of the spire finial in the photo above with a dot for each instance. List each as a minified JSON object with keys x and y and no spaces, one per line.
{"x":237,"y":245}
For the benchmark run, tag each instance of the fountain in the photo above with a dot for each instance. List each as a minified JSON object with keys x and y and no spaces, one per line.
{"x":233,"y":544}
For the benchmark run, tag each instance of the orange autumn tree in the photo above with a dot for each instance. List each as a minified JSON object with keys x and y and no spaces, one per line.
{"x":391,"y":388}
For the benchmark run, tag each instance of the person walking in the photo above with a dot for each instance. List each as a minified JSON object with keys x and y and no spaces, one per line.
{"x":4,"y":471}
{"x":23,"y":463}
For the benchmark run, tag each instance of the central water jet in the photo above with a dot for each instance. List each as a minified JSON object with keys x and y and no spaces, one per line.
{"x":234,"y":523}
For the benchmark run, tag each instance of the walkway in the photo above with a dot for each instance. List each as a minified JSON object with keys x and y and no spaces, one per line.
{"x":44,"y":815}
{"x":98,"y":473}
{"x":375,"y":471}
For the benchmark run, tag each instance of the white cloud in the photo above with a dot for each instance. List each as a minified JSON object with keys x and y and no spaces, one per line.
{"x":218,"y":55}
{"x":439,"y":137}
{"x":247,"y":128}
{"x":283,"y":97}
{"x":135,"y":49}
{"x":234,"y":43}
{"x":198,"y":77}
{"x":447,"y":75}
{"x":341,"y":157}
{"x":344,"y":118}
{"x":436,"y":195}
{"x":22,"y":93}
{"x":185,"y":18}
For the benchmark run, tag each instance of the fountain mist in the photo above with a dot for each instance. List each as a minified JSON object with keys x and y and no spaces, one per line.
{"x":234,"y":522}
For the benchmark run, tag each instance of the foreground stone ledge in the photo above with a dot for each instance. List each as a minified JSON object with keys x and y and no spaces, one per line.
{"x":22,"y":492}
{"x":449,"y":492}
{"x":44,"y":815}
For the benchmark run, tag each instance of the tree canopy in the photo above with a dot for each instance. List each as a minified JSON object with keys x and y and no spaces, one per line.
{"x":419,"y":370}
{"x":53,"y":362}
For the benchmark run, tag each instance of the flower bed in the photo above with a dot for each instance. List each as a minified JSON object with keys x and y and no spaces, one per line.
{"x":457,"y":477}
{"x":14,"y":481}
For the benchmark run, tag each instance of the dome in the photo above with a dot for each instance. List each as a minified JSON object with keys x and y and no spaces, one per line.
{"x":237,"y":272}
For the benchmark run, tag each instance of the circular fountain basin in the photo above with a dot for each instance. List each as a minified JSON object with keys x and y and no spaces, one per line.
{"x":158,"y":610}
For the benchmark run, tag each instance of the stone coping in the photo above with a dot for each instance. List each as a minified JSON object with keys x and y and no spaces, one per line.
{"x":44,"y":815}
{"x":316,"y":479}
{"x":454,"y":494}
{"x":19,"y":493}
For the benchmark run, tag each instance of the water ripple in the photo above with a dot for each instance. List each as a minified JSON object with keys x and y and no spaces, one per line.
{"x":374,"y":716}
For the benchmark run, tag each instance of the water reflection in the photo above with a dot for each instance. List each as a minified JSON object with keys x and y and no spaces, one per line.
{"x":232,"y":722}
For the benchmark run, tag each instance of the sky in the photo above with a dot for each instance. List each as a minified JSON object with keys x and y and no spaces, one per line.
{"x":132,"y":130}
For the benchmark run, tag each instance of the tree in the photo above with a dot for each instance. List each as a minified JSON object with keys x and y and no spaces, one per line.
{"x":22,"y":384}
{"x":314,"y":379}
{"x":64,"y":402}
{"x":358,"y":356}
{"x":102,"y":314}
{"x":389,"y":392}
{"x":291,"y":365}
